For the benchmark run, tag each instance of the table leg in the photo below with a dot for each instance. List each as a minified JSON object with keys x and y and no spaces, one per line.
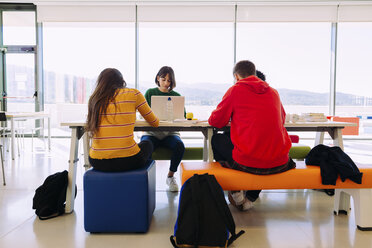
{"x":205,"y":148}
{"x":319,"y":138}
{"x":74,"y":149}
{"x":337,"y":139}
{"x":86,"y":150}
{"x":12,"y":134}
{"x":210,"y":151}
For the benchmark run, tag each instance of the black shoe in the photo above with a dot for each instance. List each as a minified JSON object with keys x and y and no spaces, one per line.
{"x":329,"y":192}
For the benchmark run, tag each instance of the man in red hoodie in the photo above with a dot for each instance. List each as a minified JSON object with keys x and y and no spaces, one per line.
{"x":259,"y":142}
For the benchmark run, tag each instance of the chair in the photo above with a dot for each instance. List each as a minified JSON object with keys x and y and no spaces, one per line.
{"x":119,"y":201}
{"x":27,"y":126}
{"x":19,"y":130}
{"x":2,"y":118}
{"x":6,"y":133}
{"x":348,"y":130}
{"x":34,"y":130}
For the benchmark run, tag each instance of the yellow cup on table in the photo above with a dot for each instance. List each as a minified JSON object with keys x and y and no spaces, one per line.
{"x":189,"y":115}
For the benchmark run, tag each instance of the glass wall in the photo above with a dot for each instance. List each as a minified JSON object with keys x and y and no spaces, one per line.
{"x":20,"y":78}
{"x":354,"y":76}
{"x":19,"y":39}
{"x":74,"y":55}
{"x":201,"y":55}
{"x":295,"y":57}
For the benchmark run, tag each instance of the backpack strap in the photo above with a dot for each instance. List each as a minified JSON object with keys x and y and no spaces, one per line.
{"x":224,"y":210}
{"x":195,"y":195}
{"x":173,"y":241}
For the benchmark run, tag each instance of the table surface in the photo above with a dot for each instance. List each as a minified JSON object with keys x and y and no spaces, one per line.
{"x":26,"y":114}
{"x":194,"y":123}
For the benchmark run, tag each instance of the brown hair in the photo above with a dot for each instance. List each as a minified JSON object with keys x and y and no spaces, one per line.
{"x":244,"y":68}
{"x":163,"y":73}
{"x":108,"y":81}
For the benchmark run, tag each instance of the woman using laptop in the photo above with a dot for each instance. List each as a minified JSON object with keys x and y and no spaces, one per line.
{"x":166,"y":82}
{"x":110,"y":123}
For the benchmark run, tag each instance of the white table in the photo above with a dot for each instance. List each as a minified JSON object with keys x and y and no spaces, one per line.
{"x":26,"y":115}
{"x":333,"y":128}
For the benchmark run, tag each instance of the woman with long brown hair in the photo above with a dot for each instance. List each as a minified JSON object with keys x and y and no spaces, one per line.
{"x":110,"y":123}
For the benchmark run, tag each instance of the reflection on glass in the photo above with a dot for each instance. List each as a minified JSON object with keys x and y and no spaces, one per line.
{"x":20,"y":79}
{"x":295,"y":57}
{"x":19,"y":28}
{"x":201,"y":55}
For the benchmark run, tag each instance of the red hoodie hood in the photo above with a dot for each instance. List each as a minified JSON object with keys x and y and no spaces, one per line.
{"x":254,"y":84}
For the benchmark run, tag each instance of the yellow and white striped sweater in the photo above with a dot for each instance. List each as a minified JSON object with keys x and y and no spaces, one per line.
{"x":114,"y":138}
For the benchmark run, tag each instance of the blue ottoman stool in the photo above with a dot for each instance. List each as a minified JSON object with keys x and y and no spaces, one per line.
{"x":119,"y":201}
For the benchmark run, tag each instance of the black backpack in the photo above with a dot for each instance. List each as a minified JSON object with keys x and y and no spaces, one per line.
{"x":204,"y":219}
{"x":49,"y":199}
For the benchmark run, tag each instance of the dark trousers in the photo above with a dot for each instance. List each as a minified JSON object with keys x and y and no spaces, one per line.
{"x":222,"y":151}
{"x":173,"y":143}
{"x":126,"y":163}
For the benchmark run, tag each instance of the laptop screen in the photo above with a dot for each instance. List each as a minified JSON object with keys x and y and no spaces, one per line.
{"x":159,"y":107}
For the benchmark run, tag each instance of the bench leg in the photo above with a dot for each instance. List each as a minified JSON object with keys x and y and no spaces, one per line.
{"x":362,"y":205}
{"x":342,"y":202}
{"x":319,"y":138}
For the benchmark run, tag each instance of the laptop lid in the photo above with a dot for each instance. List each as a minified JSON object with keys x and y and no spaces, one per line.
{"x":159,"y":107}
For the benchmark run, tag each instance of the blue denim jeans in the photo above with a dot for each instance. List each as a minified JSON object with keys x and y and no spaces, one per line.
{"x":173,"y":143}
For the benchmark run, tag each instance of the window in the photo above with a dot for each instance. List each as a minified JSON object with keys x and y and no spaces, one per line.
{"x":295,"y":57}
{"x":201,"y":55}
{"x":75,"y":54}
{"x":20,"y":78}
{"x":353,"y":78}
{"x":18,"y":56}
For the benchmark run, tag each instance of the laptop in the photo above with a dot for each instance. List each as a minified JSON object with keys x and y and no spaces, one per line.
{"x":159,"y":107}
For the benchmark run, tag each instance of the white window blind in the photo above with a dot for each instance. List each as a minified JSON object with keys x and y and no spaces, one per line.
{"x":86,"y":13}
{"x":287,"y":13}
{"x":203,"y":13}
{"x":355,"y":13}
{"x":186,"y":13}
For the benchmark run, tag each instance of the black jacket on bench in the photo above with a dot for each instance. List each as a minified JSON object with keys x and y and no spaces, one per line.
{"x":333,"y":162}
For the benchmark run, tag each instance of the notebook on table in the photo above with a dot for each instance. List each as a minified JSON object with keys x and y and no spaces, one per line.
{"x":159,"y":107}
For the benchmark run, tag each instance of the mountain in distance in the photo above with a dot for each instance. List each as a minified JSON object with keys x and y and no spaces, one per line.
{"x":301,"y":97}
{"x":203,"y":93}
{"x":211,"y":94}
{"x":208,"y":94}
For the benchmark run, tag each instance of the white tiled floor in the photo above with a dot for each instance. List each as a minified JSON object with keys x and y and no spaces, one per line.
{"x":280,"y":218}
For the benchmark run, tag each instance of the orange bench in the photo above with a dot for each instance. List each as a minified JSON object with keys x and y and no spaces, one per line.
{"x":302,"y":177}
